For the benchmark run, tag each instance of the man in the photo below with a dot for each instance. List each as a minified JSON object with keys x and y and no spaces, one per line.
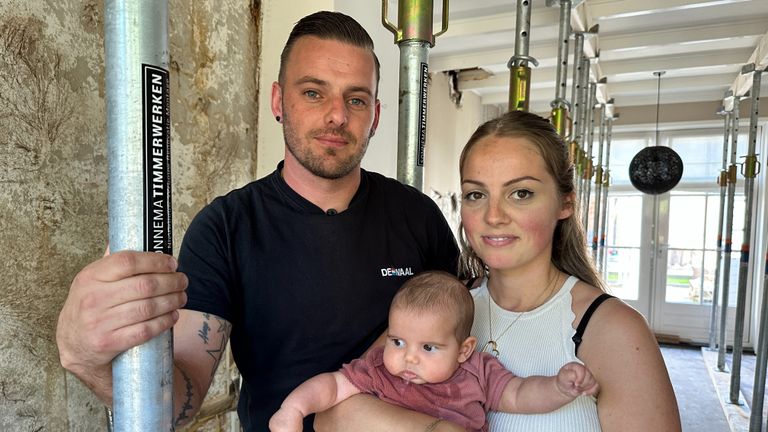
{"x":298,"y":268}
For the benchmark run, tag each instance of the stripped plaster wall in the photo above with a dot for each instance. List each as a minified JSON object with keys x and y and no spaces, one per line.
{"x":53,"y":169}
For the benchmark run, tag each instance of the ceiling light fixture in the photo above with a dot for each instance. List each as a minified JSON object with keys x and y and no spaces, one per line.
{"x":656,"y":169}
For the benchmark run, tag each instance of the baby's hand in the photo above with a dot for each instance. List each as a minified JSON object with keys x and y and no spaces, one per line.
{"x":574,"y":379}
{"x":286,"y":419}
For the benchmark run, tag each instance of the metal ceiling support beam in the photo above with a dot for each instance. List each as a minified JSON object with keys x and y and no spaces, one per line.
{"x":758,"y":391}
{"x":414,"y":37}
{"x":519,"y":72}
{"x":584,"y":159}
{"x":138,"y":141}
{"x":577,"y":91}
{"x":588,"y":170}
{"x":598,"y":184}
{"x":732,"y":177}
{"x":560,"y":106}
{"x":582,"y":162}
{"x":578,"y":53}
{"x":749,"y":169}
{"x":581,"y":21}
{"x":585,"y":104}
{"x":722,"y":181}
{"x":606,"y":184}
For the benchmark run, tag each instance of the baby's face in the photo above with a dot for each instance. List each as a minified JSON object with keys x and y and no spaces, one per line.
{"x":421,"y":347}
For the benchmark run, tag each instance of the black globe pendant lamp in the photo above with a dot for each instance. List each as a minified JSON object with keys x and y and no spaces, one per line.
{"x":655,"y":170}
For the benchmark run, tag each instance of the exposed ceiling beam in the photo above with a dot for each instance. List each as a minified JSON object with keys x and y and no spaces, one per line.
{"x":602,"y":9}
{"x":743,"y":82}
{"x":495,"y":58}
{"x":540,"y":17}
{"x":673,"y":62}
{"x":546,"y":52}
{"x":683,"y":35}
{"x":543,"y":97}
{"x":500,"y":82}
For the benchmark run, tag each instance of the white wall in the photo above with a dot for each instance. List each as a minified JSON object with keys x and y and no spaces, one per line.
{"x":448,"y":128}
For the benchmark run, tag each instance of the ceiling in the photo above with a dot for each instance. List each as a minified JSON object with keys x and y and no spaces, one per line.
{"x":702,"y":46}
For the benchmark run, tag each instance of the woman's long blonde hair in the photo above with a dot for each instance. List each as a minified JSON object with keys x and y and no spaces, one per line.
{"x":569,"y":246}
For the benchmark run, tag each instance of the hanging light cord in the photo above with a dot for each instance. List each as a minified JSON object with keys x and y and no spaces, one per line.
{"x":658,"y":102}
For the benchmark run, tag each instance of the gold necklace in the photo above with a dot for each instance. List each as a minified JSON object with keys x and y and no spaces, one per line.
{"x":492,"y":344}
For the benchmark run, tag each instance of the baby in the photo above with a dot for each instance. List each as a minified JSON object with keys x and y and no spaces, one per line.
{"x":429,"y":364}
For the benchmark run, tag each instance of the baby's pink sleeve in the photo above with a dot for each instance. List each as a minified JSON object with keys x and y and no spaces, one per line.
{"x":495,"y":377}
{"x":360,"y":372}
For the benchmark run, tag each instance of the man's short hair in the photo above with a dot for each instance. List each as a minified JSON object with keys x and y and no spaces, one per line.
{"x":330,"y":26}
{"x":438,"y":291}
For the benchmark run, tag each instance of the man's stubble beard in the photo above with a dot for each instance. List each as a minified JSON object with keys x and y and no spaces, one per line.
{"x":318,"y":164}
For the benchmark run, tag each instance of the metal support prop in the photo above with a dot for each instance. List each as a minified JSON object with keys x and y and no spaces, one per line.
{"x":606,"y":183}
{"x":578,"y":53}
{"x":574,"y":148}
{"x":722,"y":181}
{"x":138,"y":141}
{"x":590,"y":132}
{"x":560,"y":106}
{"x":582,"y":114}
{"x":598,"y":184}
{"x":414,"y":38}
{"x":519,"y":72}
{"x":584,"y":98}
{"x":728,"y":232}
{"x":758,"y":389}
{"x":749,"y":170}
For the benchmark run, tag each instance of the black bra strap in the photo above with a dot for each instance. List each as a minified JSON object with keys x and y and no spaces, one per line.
{"x":585,"y":319}
{"x":471,"y":282}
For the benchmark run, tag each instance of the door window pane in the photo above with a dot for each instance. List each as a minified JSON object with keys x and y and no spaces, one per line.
{"x":624,"y":219}
{"x":684,"y":273}
{"x":713,"y":211}
{"x":691,"y":256}
{"x":622,"y":272}
{"x":622,"y":261}
{"x":687,"y":221}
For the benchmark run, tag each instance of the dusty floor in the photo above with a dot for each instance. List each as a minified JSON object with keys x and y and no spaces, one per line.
{"x":698,"y":399}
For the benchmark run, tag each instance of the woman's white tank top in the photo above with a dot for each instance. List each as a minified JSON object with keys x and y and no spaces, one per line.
{"x":537,"y":343}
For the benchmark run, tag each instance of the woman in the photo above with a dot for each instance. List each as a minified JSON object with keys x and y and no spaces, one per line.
{"x":522,"y":238}
{"x":525,"y":253}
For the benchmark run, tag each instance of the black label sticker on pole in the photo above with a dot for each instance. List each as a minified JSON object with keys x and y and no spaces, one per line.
{"x":157,"y":160}
{"x":423,"y":113}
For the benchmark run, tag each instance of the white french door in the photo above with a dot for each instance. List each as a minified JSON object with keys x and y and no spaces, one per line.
{"x":661,"y":251}
{"x":661,"y":259}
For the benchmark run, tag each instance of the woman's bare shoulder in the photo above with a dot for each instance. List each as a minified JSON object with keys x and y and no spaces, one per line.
{"x":612,"y":313}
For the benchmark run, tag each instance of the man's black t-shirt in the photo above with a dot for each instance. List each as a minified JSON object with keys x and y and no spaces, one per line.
{"x":306,"y":291}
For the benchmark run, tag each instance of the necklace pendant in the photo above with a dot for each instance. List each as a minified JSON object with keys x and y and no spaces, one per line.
{"x":493,"y":348}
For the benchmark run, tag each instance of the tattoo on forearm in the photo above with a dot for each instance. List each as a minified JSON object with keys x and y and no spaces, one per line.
{"x":187,"y":404}
{"x":203,"y":333}
{"x":224,"y":327}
